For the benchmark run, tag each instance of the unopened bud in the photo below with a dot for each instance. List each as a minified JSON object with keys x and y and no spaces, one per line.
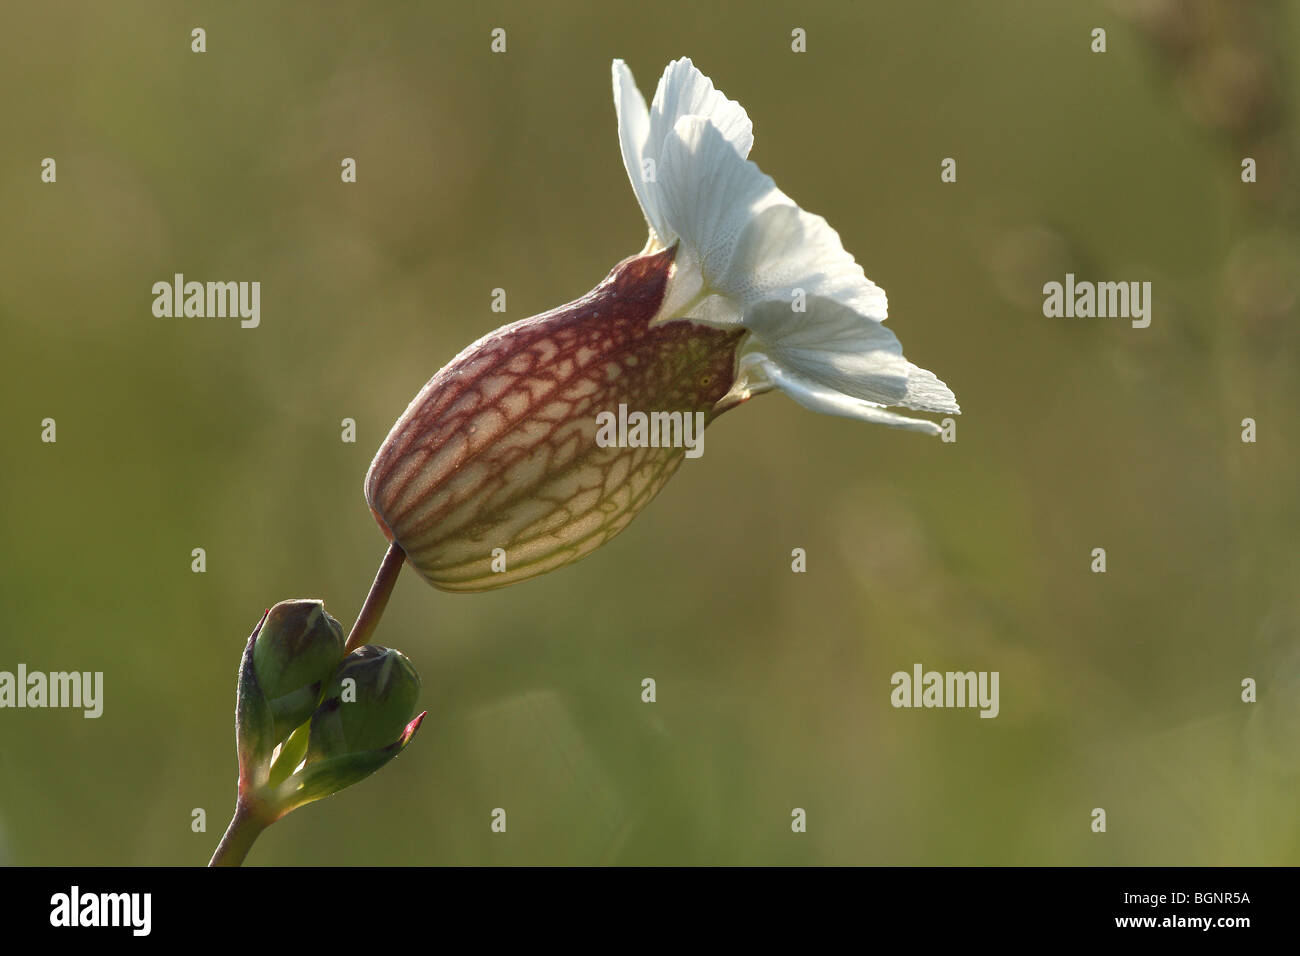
{"x":494,"y":474}
{"x":367,"y":705}
{"x":297,"y":650}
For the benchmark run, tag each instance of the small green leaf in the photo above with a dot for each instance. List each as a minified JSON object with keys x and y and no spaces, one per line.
{"x":290,"y":755}
{"x":325,"y":777}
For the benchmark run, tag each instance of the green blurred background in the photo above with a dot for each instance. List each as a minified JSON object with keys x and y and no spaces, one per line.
{"x":479,"y":171}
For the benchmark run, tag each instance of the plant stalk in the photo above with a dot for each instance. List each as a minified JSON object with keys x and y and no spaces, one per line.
{"x":245,"y":827}
{"x":377,"y":599}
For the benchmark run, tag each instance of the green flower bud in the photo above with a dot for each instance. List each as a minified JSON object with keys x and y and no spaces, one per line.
{"x":368,"y":704}
{"x":365,"y":720}
{"x":297,"y":650}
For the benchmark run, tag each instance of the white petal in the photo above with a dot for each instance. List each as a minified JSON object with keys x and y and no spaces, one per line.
{"x":715,"y":310}
{"x":708,"y":195}
{"x":926,"y":393}
{"x":750,"y":240}
{"x":685,"y":91}
{"x":633,"y":135}
{"x":758,"y":371}
{"x":840,"y":349}
{"x":748,"y":255}
{"x":784,"y":249}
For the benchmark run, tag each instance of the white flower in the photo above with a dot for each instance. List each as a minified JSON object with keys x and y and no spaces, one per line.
{"x":748,"y":256}
{"x":500,"y":469}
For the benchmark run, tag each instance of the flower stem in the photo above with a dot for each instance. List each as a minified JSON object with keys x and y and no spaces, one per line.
{"x":245,"y":827}
{"x":377,"y":599}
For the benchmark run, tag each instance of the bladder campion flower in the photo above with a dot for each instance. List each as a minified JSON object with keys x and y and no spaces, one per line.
{"x":493,"y":474}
